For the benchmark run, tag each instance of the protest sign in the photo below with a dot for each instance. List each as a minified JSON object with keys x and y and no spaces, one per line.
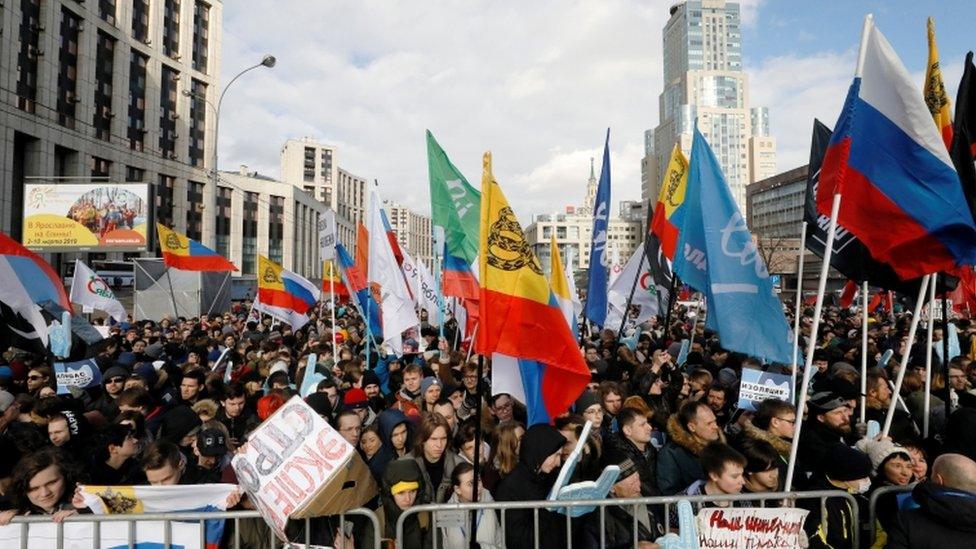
{"x":742,"y":527}
{"x":85,"y":535}
{"x":758,"y":386}
{"x":295,"y":465}
{"x":80,"y":375}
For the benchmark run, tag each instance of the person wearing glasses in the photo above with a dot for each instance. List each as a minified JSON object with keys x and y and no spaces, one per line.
{"x":39,"y":377}
{"x":113,"y":382}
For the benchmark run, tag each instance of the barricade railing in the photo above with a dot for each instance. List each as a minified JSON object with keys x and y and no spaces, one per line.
{"x":664,"y":501}
{"x":199,"y":517}
{"x":873,"y":506}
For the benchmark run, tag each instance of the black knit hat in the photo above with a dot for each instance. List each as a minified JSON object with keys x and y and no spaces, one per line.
{"x":843,"y":463}
{"x":821,"y":403}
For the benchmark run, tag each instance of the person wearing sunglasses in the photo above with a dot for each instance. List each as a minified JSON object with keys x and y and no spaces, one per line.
{"x":113,"y":382}
{"x":39,"y":377}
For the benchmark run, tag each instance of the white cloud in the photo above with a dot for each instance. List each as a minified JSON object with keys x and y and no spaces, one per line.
{"x":538,"y":83}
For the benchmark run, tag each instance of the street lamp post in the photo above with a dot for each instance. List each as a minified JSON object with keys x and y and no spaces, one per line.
{"x":268,"y":61}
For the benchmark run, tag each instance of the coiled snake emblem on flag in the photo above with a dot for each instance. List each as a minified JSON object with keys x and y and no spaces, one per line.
{"x":507,"y":248}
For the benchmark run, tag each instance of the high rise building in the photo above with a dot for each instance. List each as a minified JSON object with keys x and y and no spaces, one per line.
{"x":413,"y":231}
{"x":313,"y":167}
{"x":704,"y":81}
{"x":96,"y":90}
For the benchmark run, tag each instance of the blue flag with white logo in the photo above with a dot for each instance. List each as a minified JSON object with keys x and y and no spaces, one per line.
{"x":596,"y":289}
{"x":717,"y":256}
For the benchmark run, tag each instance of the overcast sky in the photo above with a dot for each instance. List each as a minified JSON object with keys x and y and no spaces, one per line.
{"x":537,"y":83}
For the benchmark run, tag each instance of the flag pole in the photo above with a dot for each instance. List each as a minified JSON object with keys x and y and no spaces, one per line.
{"x":864,"y":349}
{"x":172,"y":294}
{"x":945,"y":346}
{"x":477,"y":448}
{"x":926,"y":280}
{"x":928,"y":360}
{"x":812,"y":343}
{"x":796,"y":311}
{"x":630,"y":298}
{"x":332,"y":301}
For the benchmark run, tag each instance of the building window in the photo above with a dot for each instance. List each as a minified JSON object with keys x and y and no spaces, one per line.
{"x":100,"y":167}
{"x":68,"y":68}
{"x":140,"y":20}
{"x":309,"y":164}
{"x":171,"y":29}
{"x":194,"y":210}
{"x":167,"y":112}
{"x":104,"y":65}
{"x":223,"y":220}
{"x":201,"y":35}
{"x":106,"y":10}
{"x":134,"y":174}
{"x":250,"y":233}
{"x":27,"y":58}
{"x":198,"y":121}
{"x":164,"y":200}
{"x":276,"y":228}
{"x":137,"y":100}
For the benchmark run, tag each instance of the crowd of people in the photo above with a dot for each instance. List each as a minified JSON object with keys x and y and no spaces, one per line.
{"x":165,"y":415}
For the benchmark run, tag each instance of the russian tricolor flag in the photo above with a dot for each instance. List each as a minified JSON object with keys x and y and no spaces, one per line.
{"x":901,"y":194}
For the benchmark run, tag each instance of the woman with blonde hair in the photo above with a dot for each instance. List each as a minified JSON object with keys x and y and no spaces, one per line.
{"x":504,"y":453}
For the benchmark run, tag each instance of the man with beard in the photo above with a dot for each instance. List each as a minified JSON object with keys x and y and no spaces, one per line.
{"x":828,"y":422}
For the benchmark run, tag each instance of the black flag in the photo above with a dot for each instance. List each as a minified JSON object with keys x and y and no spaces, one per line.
{"x":850,"y":256}
{"x":964,"y":133}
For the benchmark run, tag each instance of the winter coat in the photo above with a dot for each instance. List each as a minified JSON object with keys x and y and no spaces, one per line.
{"x":437,"y":494}
{"x":814,"y":443}
{"x":238,"y":426}
{"x":618,"y":528}
{"x":415,"y":531}
{"x":646,"y":462}
{"x":945,"y":517}
{"x":527,"y":483}
{"x":780,"y":444}
{"x":489,"y":529}
{"x":902,"y":426}
{"x":387,"y":422}
{"x":830,"y":527}
{"x":677,"y":463}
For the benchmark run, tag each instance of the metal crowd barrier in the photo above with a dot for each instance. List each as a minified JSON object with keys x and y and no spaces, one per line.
{"x":602,"y":504}
{"x":873,"y":506}
{"x":168,"y":518}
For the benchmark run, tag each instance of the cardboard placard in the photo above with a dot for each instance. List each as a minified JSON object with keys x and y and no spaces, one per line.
{"x":750,"y":527}
{"x":295,"y":465}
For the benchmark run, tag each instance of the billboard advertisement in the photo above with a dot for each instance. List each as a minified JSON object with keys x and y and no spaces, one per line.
{"x":70,"y":217}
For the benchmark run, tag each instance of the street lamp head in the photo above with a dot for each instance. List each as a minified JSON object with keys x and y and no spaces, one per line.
{"x":186,"y":93}
{"x":269,"y":61}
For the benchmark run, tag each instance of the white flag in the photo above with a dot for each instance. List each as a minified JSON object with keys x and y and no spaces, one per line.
{"x":90,"y":290}
{"x":421,"y":282}
{"x":327,"y":235}
{"x":615,"y":267}
{"x":571,"y":280}
{"x":646,"y":294}
{"x":396,"y":304}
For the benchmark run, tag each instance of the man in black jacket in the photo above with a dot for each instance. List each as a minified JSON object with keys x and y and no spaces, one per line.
{"x":946,"y":512}
{"x":828,"y":422}
{"x":531,"y":480}
{"x":634,"y":441}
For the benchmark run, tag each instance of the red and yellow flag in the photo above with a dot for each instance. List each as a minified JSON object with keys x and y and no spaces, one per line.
{"x":934,"y":91}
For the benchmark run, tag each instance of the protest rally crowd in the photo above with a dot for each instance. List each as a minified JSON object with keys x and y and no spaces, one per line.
{"x":163,"y":416}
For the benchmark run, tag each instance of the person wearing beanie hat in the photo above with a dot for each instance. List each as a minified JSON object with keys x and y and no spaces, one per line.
{"x":113,"y":382}
{"x":531,"y":480}
{"x":320,"y":402}
{"x":891,"y":465}
{"x":178,"y":424}
{"x":69,"y":431}
{"x":370,"y":383}
{"x":430,"y":391}
{"x":831,"y":523}
{"x":618,"y":520}
{"x":355,"y":399}
{"x":402,"y":488}
{"x":589,"y":406}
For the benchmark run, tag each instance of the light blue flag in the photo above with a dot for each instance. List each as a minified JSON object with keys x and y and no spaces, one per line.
{"x":717,"y":256}
{"x":596,"y":289}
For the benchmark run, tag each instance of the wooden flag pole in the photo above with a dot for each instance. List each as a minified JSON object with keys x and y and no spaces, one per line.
{"x":928,"y":360}
{"x":926,"y":280}
{"x":796,"y":311}
{"x":812,"y":343}
{"x":945,"y":349}
{"x":864,"y":350}
{"x":335,"y":352}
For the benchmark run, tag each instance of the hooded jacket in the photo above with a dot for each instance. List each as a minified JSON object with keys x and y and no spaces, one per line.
{"x":527,"y":483}
{"x":414,"y":533}
{"x":677,"y":463}
{"x":387,"y":421}
{"x":945,"y":517}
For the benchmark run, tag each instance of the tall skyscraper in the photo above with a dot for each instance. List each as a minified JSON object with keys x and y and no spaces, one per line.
{"x":703,"y":80}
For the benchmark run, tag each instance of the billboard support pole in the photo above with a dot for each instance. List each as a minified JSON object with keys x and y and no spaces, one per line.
{"x":172,"y":295}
